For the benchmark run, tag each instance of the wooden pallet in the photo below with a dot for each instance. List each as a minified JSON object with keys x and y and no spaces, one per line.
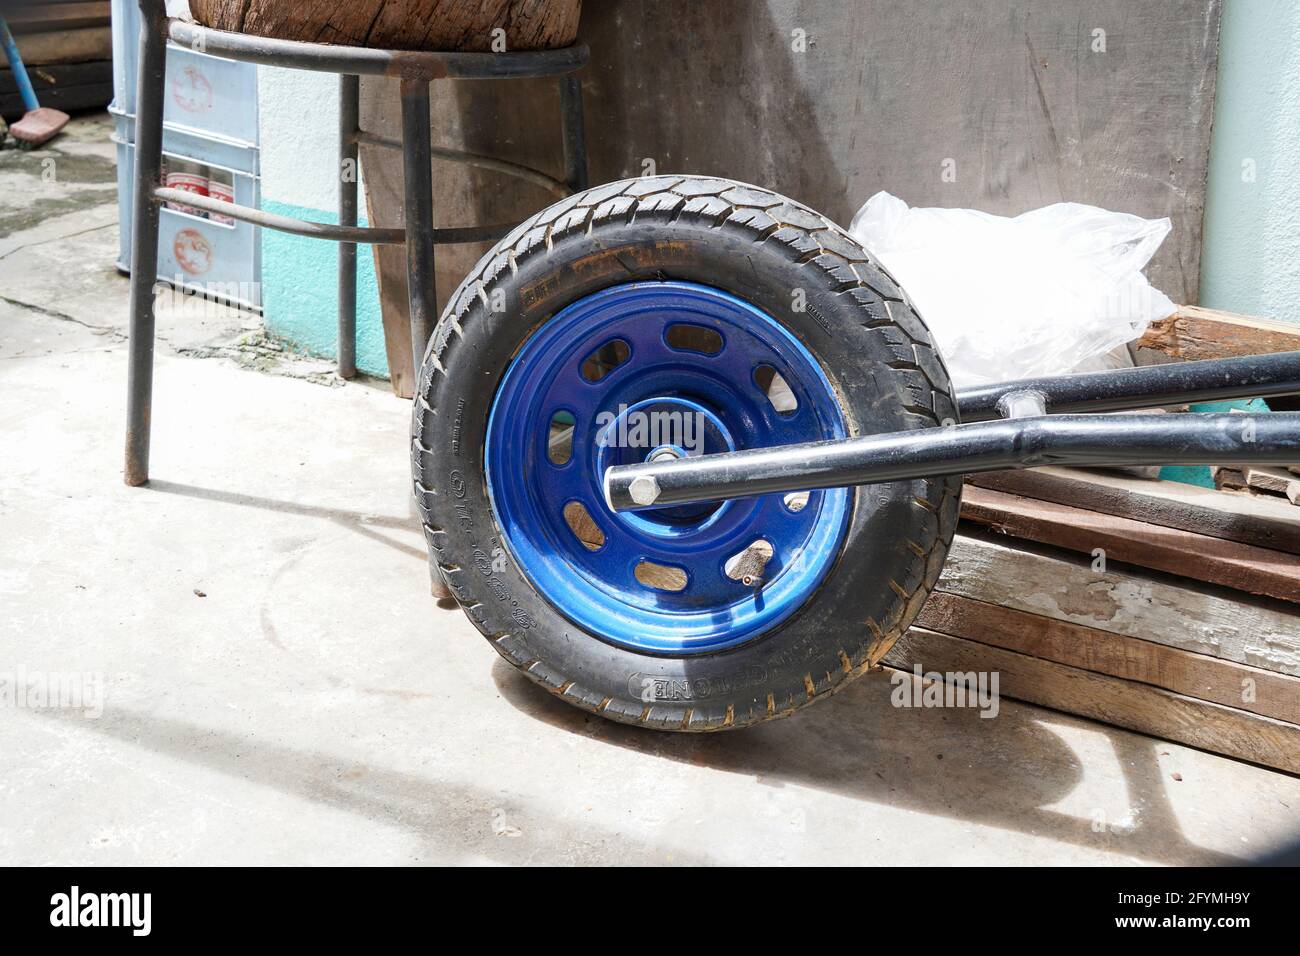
{"x":1263,"y":523}
{"x":1107,"y":537}
{"x":1125,"y":703}
{"x":1173,"y":611}
{"x":1165,"y":655}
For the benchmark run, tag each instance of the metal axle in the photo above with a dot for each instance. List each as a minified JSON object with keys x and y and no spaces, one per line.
{"x":1092,"y":440}
{"x":1025,"y":438}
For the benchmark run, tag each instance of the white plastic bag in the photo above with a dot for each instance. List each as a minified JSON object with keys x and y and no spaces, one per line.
{"x":1044,"y":293}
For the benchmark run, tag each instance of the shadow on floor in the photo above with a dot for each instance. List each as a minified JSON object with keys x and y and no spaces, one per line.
{"x":452,"y":821}
{"x":1004,"y":772}
{"x":358,"y":522}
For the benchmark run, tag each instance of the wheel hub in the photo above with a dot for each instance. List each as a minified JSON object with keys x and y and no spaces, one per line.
{"x":668,"y":426}
{"x":647,"y":370}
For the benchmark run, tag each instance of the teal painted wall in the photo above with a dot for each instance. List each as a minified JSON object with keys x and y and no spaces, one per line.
{"x":1251,"y":254}
{"x":298,"y":117}
{"x":300,"y":291}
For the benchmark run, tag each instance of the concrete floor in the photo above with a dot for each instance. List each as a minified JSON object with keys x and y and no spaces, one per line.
{"x":280,"y":688}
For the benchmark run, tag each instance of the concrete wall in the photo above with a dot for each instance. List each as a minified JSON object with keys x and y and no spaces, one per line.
{"x":1251,"y":260}
{"x":997,"y":105}
{"x":298,"y":114}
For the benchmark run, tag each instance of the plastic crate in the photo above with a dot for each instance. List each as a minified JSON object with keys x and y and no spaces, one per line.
{"x":206,"y":148}
{"x":219,"y":260}
{"x":206,"y":94}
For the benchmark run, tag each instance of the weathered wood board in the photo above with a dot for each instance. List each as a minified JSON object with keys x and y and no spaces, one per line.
{"x":1199,"y":618}
{"x":1275,"y":481}
{"x":1194,"y":333}
{"x":998,"y":106}
{"x":1195,"y":675}
{"x":1169,"y":504}
{"x":1229,"y":563}
{"x":1112,"y":700}
{"x":390,"y":274}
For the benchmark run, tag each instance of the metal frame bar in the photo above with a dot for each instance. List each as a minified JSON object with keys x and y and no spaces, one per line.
{"x":416,"y":70}
{"x":295,"y":227}
{"x":575,"y":133}
{"x":324,"y":230}
{"x":518,"y":170}
{"x":144,"y":238}
{"x":1148,"y":386}
{"x":366,"y":61}
{"x":421,"y":282}
{"x":1027,"y":437}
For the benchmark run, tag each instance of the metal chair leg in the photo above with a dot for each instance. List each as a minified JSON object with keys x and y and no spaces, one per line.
{"x":421,"y":288}
{"x":575,"y":135}
{"x":144,"y":239}
{"x":349,"y":114}
{"x":421,"y":285}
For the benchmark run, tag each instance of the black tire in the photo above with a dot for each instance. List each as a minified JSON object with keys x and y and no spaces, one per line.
{"x":861,"y":328}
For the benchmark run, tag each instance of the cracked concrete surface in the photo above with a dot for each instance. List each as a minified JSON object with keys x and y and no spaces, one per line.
{"x":278,"y":686}
{"x":58,"y":252}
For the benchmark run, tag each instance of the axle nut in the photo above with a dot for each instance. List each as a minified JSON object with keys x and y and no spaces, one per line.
{"x":643,"y":490}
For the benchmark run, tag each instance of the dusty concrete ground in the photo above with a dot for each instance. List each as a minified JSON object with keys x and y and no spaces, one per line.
{"x":279,"y":688}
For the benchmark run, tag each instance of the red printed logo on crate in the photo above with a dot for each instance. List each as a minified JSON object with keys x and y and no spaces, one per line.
{"x":191,"y":91}
{"x":226,"y":193}
{"x":187,"y":182}
{"x":192,"y":252}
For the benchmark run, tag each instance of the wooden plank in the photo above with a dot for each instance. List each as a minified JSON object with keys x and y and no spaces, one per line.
{"x":64,"y":87}
{"x":1196,"y":333}
{"x":64,"y":46}
{"x":1202,"y":619}
{"x":1193,"y":675}
{"x":1170,"y":504}
{"x":1112,"y":700}
{"x":1230,"y":563}
{"x":52,"y":17}
{"x":390,"y":273}
{"x":1275,"y":481}
{"x":1228,"y":478}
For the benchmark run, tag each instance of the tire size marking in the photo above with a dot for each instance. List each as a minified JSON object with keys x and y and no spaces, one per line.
{"x":647,"y":687}
{"x":819,"y":318}
{"x":647,"y":256}
{"x":455,"y":428}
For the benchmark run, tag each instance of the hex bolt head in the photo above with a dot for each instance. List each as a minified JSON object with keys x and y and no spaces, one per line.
{"x":643,"y":490}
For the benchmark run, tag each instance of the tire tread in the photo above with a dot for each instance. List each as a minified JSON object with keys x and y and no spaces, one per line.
{"x":808,"y":238}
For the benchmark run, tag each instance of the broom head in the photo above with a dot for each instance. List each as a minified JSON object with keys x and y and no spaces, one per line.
{"x":38,"y":126}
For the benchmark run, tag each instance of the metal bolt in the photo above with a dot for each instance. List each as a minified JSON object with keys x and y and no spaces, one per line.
{"x":643,"y":490}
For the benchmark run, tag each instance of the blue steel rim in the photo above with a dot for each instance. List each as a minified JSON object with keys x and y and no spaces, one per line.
{"x":714,"y":400}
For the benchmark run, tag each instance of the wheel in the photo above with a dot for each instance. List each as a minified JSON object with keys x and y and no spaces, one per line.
{"x":672,"y":316}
